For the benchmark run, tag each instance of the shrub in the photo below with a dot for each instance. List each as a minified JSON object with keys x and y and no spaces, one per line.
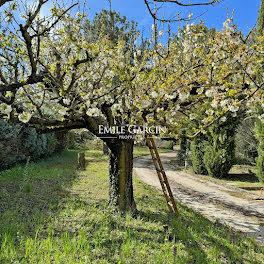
{"x":197,"y":155}
{"x":219,"y":155}
{"x":183,"y":142}
{"x":218,"y":162}
{"x":18,"y":142}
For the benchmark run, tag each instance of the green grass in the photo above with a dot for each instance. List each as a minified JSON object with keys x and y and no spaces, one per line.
{"x":51,"y":213}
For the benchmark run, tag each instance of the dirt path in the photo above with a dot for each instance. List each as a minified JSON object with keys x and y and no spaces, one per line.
{"x":232,"y":206}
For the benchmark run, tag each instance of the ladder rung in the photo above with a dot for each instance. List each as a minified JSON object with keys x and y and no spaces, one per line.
{"x":151,"y":147}
{"x":170,"y":204}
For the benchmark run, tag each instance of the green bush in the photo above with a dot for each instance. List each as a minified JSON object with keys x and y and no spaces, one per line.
{"x":219,"y":154}
{"x":18,"y":143}
{"x":169,"y":145}
{"x":184,"y":144}
{"x":218,"y":162}
{"x":197,"y":155}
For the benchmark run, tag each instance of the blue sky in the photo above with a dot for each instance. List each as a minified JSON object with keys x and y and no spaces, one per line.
{"x":246,"y":11}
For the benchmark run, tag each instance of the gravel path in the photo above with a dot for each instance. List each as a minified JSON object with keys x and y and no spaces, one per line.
{"x":235,"y":207}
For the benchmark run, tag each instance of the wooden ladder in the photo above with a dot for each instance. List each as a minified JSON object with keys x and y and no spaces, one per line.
{"x":161,"y":174}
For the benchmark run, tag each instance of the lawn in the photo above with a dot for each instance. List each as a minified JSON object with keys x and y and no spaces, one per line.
{"x":51,"y":213}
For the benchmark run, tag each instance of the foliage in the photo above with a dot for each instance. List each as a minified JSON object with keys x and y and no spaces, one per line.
{"x":72,"y":223}
{"x":259,"y":129}
{"x":113,"y":25}
{"x":246,"y":141}
{"x":260,"y":25}
{"x":219,"y":154}
{"x":181,"y":155}
{"x":18,"y":143}
{"x":197,"y":155}
{"x":84,"y":84}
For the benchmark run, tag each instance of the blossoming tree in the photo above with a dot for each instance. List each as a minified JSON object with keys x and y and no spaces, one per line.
{"x":53,"y":78}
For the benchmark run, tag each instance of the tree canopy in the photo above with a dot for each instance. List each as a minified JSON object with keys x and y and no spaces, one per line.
{"x":53,"y":76}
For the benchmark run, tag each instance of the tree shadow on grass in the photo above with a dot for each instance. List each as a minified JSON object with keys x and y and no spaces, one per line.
{"x":243,"y":177}
{"x":32,"y":193}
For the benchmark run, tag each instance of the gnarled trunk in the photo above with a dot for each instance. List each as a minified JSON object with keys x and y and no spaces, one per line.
{"x":120,"y":172}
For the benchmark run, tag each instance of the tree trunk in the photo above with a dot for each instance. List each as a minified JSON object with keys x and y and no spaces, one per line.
{"x":105,"y":149}
{"x":120,"y":172}
{"x":81,"y":161}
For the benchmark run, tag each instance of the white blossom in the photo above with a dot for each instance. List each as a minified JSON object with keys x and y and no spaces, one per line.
{"x":93,"y":112}
{"x":261,"y":117}
{"x":62,"y":112}
{"x":233,"y":108}
{"x":5,"y":109}
{"x":200,"y":90}
{"x":209,"y":112}
{"x":66,"y":101}
{"x":210,"y":93}
{"x":183,"y":96}
{"x":226,"y":23}
{"x":154,"y":94}
{"x":24,"y":117}
{"x":214,"y":104}
{"x":224,"y":103}
{"x":223,"y":119}
{"x":190,"y":15}
{"x":193,"y":116}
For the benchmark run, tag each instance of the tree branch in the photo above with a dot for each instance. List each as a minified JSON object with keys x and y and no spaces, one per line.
{"x":14,"y":86}
{"x":2,"y":2}
{"x":182,"y":4}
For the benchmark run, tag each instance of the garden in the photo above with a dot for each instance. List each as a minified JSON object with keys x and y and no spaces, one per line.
{"x":130,"y":142}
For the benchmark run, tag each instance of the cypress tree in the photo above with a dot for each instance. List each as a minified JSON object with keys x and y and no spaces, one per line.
{"x":259,"y":128}
{"x":197,"y":155}
{"x":260,"y":26}
{"x":219,"y":152}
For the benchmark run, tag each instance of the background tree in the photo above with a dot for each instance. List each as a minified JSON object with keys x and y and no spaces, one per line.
{"x":198,"y":146}
{"x":246,"y":141}
{"x":219,"y":152}
{"x":259,"y":127}
{"x":112,"y":24}
{"x":260,"y":23}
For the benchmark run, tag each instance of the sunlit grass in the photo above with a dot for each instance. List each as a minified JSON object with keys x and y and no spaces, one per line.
{"x":51,"y":213}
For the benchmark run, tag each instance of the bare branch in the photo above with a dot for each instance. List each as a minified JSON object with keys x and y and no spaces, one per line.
{"x":55,"y":22}
{"x":2,"y":2}
{"x":182,"y":4}
{"x":154,"y":14}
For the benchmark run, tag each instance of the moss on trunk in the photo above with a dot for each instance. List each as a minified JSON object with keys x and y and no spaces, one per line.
{"x":120,"y":172}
